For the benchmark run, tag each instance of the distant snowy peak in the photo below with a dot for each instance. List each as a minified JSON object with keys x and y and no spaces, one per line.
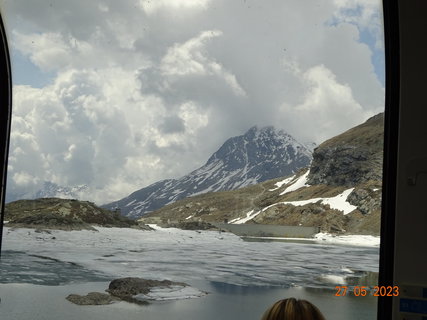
{"x":52,"y":190}
{"x":256,"y":156}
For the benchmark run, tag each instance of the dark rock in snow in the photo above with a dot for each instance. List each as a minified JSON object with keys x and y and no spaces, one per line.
{"x":134,"y":290}
{"x":367,"y":200}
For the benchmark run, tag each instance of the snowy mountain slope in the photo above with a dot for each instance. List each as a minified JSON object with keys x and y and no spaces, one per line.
{"x":256,"y":156}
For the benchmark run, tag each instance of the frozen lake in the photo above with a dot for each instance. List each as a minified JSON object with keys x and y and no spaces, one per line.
{"x":38,"y":270}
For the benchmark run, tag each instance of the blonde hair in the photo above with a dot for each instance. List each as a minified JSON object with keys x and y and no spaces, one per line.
{"x":293,"y":309}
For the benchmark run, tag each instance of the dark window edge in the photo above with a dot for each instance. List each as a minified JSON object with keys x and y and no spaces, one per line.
{"x":5,"y":118}
{"x":391,"y":130}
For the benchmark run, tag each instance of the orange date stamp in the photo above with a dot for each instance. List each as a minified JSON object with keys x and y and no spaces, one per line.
{"x":362,"y":291}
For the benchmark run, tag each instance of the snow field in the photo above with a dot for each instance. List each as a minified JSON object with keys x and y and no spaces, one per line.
{"x":186,"y":256}
{"x":300,"y":183}
{"x":338,"y":202}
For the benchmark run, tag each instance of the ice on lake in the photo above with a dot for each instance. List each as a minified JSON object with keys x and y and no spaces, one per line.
{"x":182,"y":255}
{"x":38,"y":270}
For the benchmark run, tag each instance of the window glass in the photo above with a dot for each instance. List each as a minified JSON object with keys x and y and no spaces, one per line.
{"x":219,"y":129}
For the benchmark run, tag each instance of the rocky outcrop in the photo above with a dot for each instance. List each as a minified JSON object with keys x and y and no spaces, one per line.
{"x":367,"y":199}
{"x":189,"y":225}
{"x":309,"y":215}
{"x":48,"y":220}
{"x":350,"y":158}
{"x":65,"y":214}
{"x":137,"y":290}
{"x":128,"y":288}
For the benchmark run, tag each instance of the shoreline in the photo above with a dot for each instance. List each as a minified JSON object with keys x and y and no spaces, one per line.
{"x":330,"y":239}
{"x":318,"y":238}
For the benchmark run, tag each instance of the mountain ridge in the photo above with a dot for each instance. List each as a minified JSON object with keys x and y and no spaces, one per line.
{"x":258,"y":155}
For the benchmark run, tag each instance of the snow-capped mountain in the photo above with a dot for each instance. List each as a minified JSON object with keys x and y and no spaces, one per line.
{"x":256,"y":156}
{"x":50,"y":190}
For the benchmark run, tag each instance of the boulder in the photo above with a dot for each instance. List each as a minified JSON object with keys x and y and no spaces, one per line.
{"x":92,"y":298}
{"x":127,"y":288}
{"x":137,"y":290}
{"x":366,"y":199}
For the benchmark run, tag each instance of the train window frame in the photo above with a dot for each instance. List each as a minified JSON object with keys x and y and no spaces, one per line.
{"x":391,"y":131}
{"x":5,"y":117}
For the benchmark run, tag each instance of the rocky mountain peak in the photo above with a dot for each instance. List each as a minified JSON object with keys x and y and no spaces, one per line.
{"x":258,"y":144}
{"x":255,"y":132}
{"x":267,"y":132}
{"x":256,"y":156}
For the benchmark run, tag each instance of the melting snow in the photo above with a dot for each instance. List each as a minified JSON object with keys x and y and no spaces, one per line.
{"x":334,"y":279}
{"x":130,"y":203}
{"x":183,"y":255}
{"x":170,"y":293}
{"x":301,"y":182}
{"x":355,"y":240}
{"x":281,"y":183}
{"x":338,"y":202}
{"x":249,"y":216}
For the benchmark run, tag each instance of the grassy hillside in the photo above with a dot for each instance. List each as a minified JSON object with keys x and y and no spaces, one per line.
{"x":352,"y":160}
{"x":67,"y":214}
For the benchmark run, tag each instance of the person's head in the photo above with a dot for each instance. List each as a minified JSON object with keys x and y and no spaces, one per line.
{"x":293,"y":309}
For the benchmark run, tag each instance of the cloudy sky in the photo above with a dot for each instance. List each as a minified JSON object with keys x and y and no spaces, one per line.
{"x":120,"y":94}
